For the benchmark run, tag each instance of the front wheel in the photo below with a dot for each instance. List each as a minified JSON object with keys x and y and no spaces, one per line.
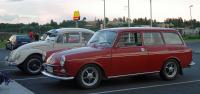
{"x":32,"y":65}
{"x":89,"y":77}
{"x":169,"y":70}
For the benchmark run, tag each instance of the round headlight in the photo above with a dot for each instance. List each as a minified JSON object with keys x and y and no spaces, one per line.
{"x":62,"y":61}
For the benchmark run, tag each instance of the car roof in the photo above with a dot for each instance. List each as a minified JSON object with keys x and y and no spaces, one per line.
{"x":65,"y":30}
{"x":146,"y":29}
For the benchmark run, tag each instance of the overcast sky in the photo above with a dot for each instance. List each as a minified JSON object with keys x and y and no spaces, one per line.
{"x":42,"y":11}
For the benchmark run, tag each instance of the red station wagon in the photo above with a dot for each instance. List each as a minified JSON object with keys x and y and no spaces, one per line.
{"x":120,"y":52}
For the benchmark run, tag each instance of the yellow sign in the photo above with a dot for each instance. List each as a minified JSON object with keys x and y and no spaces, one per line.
{"x":76,"y":16}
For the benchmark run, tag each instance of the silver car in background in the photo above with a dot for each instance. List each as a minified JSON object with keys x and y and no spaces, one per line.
{"x":29,"y":57}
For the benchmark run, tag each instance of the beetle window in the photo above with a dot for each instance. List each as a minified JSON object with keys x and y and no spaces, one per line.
{"x":71,"y":38}
{"x":172,"y":38}
{"x":152,"y":39}
{"x":130,"y":39}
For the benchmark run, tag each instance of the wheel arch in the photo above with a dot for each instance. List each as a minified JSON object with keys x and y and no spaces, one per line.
{"x":33,"y":52}
{"x":179,"y":63}
{"x":97,"y":65}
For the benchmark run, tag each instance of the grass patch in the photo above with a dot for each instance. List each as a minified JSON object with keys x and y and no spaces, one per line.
{"x":191,"y":37}
{"x":2,"y":44}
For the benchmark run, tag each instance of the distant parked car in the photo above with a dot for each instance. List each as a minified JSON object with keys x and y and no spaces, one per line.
{"x":29,"y":58}
{"x":16,"y":41}
{"x":121,"y":52}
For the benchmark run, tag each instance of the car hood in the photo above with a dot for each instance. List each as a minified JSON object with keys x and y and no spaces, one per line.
{"x":80,"y":50}
{"x":35,"y":45}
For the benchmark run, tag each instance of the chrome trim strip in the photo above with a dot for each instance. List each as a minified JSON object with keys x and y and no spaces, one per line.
{"x":132,"y":74}
{"x":56,"y":77}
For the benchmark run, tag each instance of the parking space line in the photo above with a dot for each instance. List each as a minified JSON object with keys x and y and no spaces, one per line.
{"x":34,"y":78}
{"x":145,"y":87}
{"x":8,"y":70}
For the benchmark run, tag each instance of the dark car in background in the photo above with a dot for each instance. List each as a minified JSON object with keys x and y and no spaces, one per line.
{"x":17,"y":40}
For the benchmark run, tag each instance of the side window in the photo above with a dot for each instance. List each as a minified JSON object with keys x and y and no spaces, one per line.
{"x":152,"y":38}
{"x":86,"y":36}
{"x":71,"y":37}
{"x":60,"y":39}
{"x":172,"y":38}
{"x":130,"y":39}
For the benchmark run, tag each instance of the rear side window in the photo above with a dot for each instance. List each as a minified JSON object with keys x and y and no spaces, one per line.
{"x":172,"y":38}
{"x":71,"y":37}
{"x":152,"y":38}
{"x":130,"y":39}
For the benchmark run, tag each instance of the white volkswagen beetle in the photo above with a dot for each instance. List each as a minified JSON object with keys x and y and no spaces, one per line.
{"x":29,"y":57}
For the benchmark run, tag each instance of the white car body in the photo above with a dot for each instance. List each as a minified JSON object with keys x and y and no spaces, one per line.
{"x":19,"y":55}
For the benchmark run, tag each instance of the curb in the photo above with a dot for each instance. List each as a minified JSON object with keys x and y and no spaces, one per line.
{"x":196,"y":52}
{"x":14,"y":88}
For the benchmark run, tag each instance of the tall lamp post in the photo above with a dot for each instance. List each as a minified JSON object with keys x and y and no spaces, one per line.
{"x":191,"y":11}
{"x":191,"y":14}
{"x":151,"y":13}
{"x":104,"y":21}
{"x":129,"y":24}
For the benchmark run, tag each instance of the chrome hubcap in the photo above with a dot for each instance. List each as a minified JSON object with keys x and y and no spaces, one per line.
{"x":34,"y":65}
{"x":89,"y":76}
{"x":171,"y":69}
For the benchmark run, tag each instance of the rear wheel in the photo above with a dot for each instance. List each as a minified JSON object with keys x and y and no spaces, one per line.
{"x":169,"y":70}
{"x":32,"y":65}
{"x":89,"y":77}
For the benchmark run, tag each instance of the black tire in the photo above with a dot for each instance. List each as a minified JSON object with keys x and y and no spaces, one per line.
{"x":169,"y":70}
{"x":95,"y":78}
{"x":32,"y":65}
{"x":20,"y":67}
{"x":1,"y":79}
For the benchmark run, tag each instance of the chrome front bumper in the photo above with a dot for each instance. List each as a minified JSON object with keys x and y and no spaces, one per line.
{"x":56,"y":77}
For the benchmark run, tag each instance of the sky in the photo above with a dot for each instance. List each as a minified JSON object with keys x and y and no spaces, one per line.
{"x":42,"y":11}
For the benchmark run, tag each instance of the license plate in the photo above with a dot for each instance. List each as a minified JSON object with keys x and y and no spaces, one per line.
{"x":49,"y":69}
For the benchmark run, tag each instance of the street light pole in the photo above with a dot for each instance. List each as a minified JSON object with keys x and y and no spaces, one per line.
{"x":191,"y":15}
{"x":151,"y":14}
{"x":104,"y":21}
{"x":129,"y":24}
{"x":191,"y":11}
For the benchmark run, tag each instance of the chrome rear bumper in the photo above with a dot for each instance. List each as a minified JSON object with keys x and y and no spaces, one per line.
{"x":56,"y":77}
{"x":191,"y":64}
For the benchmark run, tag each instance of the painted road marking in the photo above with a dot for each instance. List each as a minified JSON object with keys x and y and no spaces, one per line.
{"x":145,"y":87}
{"x":34,"y":78}
{"x":9,"y":70}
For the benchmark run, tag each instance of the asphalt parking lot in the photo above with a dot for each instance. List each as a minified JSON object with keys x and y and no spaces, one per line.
{"x":188,"y":83}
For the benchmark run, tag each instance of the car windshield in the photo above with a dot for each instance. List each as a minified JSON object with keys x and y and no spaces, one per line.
{"x":103,"y":37}
{"x":50,"y":35}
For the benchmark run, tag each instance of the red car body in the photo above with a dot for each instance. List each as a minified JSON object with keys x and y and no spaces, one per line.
{"x":115,"y":61}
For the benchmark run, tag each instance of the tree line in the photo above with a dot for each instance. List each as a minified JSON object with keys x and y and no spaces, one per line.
{"x":96,"y":25}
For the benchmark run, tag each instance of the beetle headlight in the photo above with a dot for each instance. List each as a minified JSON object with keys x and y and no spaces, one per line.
{"x":62,"y":61}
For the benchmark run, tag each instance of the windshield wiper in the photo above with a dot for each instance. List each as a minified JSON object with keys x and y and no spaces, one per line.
{"x":94,"y":41}
{"x":104,"y":42}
